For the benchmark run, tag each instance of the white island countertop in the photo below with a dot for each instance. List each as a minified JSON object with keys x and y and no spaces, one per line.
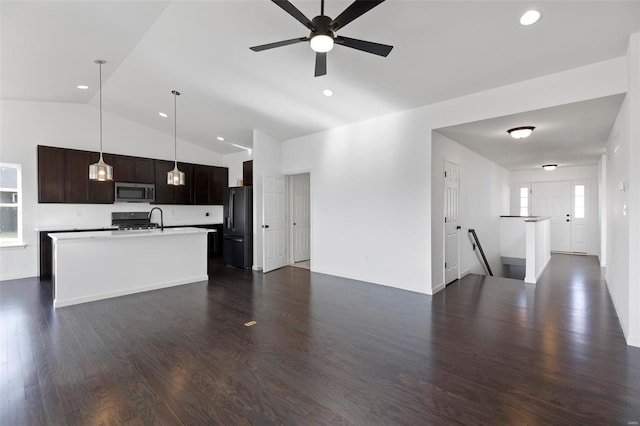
{"x":95,"y":265}
{"x":61,"y":237}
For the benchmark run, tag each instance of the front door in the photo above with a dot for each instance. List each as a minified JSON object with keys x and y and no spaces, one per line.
{"x":553,"y":199}
{"x":273,"y":205}
{"x":451,"y":210}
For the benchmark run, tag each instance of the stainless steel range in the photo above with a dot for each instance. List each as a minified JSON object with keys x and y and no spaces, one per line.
{"x":132,"y":220}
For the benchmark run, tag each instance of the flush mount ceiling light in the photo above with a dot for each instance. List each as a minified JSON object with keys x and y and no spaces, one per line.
{"x":530,"y":17}
{"x":100,"y":171}
{"x":327,"y":92}
{"x":163,"y":115}
{"x":82,"y":86}
{"x":175,"y":176}
{"x":549,"y":167}
{"x":220,"y":138}
{"x":520,"y":132}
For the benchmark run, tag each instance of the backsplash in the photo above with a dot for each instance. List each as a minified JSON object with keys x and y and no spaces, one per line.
{"x":70,"y":216}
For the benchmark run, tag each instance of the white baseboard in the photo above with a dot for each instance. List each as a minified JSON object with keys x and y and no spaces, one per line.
{"x":57,"y":303}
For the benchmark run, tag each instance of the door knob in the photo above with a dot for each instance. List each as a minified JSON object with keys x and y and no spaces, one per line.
{"x":265,"y":226}
{"x":294,"y":224}
{"x":568,"y":220}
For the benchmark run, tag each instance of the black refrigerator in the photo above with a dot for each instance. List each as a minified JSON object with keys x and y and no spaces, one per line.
{"x":237,"y":231}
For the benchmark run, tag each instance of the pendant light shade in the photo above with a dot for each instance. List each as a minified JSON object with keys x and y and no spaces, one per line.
{"x":100,"y":171}
{"x":175,"y":176}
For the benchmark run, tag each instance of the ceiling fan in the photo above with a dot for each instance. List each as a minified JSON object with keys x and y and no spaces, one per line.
{"x":323,"y":28}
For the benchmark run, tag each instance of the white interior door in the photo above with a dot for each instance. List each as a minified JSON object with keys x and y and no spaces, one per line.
{"x":579,"y":217}
{"x":273,"y":223}
{"x":301,"y":217}
{"x":451,"y":210}
{"x":554,"y":199}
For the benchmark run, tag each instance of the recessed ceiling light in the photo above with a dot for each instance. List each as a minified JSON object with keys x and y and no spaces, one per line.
{"x":162,"y":114}
{"x":530,"y":17}
{"x":220,"y":138}
{"x":82,"y":87}
{"x":327,"y":92}
{"x":549,"y":167}
{"x":520,"y":132}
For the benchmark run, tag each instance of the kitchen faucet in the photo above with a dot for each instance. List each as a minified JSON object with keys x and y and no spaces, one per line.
{"x":161,"y":217}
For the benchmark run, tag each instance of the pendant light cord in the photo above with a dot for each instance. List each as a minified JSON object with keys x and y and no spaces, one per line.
{"x":100,"y":62}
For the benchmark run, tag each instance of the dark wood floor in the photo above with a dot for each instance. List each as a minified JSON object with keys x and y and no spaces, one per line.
{"x":325,"y":350}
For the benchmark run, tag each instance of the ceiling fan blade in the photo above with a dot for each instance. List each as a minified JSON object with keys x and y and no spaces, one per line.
{"x":356,"y":9}
{"x":321,"y":64}
{"x":293,"y":11}
{"x":365,"y":46}
{"x":278,"y":44}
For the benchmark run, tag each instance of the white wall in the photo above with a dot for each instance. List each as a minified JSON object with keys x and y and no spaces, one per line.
{"x":267,"y":157}
{"x":234,"y":163}
{"x":369,"y":198}
{"x":24,"y":125}
{"x":587,"y":174}
{"x":364,"y":175}
{"x":623,"y":204}
{"x":633,"y":337}
{"x":617,"y":273}
{"x":602,"y":209}
{"x":484,"y":196}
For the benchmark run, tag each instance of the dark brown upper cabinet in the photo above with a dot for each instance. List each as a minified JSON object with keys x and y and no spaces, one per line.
{"x":133,"y":169}
{"x":209,"y":184}
{"x":201,"y":184}
{"x":76,"y":176}
{"x":63,"y":177}
{"x":165,"y":193}
{"x":51,"y":174}
{"x":184,"y":193}
{"x":101,"y":192}
{"x":220,"y":182}
{"x":247,"y":173}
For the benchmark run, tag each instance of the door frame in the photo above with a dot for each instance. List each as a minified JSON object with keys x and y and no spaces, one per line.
{"x":444,"y":225}
{"x":289,"y":201}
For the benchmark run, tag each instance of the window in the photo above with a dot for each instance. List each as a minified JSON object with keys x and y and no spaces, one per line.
{"x":578,"y":202}
{"x":10,"y":205}
{"x":524,"y":201}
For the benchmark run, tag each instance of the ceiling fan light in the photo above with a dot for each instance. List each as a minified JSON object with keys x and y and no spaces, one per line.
{"x":549,"y":167}
{"x":521,"y":132}
{"x":321,"y":43}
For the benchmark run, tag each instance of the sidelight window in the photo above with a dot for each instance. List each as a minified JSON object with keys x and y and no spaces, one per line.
{"x":524,"y":201}
{"x":10,"y":204}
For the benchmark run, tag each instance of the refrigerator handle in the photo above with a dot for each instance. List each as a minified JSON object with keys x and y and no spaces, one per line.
{"x":231,"y":196}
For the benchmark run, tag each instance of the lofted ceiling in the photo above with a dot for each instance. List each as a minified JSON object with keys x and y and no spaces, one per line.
{"x":201,"y":48}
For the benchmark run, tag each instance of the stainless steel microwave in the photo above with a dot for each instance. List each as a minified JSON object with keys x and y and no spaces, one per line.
{"x":135,"y":192}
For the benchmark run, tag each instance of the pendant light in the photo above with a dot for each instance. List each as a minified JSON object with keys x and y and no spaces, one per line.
{"x":100,"y":171}
{"x":175,"y":176}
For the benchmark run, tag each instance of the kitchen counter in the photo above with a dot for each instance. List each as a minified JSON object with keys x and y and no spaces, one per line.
{"x":62,"y":237}
{"x":89,"y":266}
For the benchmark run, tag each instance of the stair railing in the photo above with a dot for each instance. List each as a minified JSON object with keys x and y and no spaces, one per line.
{"x":477,"y":244}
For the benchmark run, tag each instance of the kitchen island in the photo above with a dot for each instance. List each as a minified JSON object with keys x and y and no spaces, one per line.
{"x":97,"y":265}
